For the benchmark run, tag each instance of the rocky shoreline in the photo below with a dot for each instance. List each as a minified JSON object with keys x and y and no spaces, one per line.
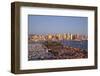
{"x":50,"y":51}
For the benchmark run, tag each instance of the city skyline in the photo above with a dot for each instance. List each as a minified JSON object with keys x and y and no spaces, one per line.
{"x":39,"y":24}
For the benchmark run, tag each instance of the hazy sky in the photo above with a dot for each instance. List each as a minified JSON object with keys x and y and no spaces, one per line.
{"x":39,"y":24}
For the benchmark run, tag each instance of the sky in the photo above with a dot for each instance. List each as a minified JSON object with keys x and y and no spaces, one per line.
{"x":46,"y":24}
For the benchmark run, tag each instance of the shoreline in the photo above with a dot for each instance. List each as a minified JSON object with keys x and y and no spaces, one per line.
{"x":56,"y":52}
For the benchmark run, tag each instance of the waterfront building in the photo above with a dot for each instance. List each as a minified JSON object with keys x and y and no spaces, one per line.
{"x":56,"y":37}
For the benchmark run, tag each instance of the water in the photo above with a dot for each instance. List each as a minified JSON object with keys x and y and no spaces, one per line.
{"x":76,"y":44}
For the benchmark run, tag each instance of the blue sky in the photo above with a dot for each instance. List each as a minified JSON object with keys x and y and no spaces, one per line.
{"x":44,"y":24}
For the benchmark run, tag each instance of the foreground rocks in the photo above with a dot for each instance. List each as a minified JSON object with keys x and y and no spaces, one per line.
{"x":38,"y":51}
